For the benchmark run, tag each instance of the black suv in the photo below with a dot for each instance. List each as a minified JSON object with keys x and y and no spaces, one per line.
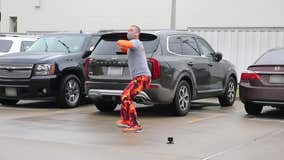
{"x":52,"y":68}
{"x":183,"y":65}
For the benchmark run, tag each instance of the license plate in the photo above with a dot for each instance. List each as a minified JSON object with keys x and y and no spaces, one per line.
{"x":11,"y":92}
{"x":115,"y":71}
{"x":276,"y":79}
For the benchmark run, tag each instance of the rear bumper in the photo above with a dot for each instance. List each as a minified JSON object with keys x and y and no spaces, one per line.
{"x":273,"y":96}
{"x":155,"y":95}
{"x":40,"y":87}
{"x":141,"y":97}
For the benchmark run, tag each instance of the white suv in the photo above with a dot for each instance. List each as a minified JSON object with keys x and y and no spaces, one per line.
{"x":12,"y":44}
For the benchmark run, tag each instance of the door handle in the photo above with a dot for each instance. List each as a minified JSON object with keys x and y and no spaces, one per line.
{"x":210,"y":64}
{"x":190,"y":63}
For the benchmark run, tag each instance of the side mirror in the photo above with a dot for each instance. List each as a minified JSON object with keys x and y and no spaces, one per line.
{"x":218,"y":56}
{"x":88,"y":53}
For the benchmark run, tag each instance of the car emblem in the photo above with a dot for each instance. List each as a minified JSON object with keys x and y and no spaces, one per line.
{"x":277,"y":68}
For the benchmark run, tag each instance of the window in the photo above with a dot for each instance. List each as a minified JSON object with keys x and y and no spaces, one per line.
{"x":205,"y":48}
{"x":59,"y":43}
{"x":189,"y":46}
{"x":5,"y":45}
{"x":26,"y":45}
{"x":175,"y":44}
{"x":13,"y":24}
{"x":272,"y":57}
{"x":108,"y":43}
{"x":93,"y":41}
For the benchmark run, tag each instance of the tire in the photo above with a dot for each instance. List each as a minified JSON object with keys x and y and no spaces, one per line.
{"x":228,"y":99}
{"x":9,"y":102}
{"x":253,"y":109}
{"x":106,"y":106}
{"x":182,"y":99}
{"x":70,"y":92}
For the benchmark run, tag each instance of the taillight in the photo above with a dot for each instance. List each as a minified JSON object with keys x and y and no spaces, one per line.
{"x":249,"y":75}
{"x":156,"y":70}
{"x":86,"y":67}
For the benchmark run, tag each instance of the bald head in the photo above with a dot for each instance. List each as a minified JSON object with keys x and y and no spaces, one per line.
{"x":137,"y":28}
{"x":133,"y":32}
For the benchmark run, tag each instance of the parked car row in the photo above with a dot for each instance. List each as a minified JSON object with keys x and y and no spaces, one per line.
{"x":67,"y":67}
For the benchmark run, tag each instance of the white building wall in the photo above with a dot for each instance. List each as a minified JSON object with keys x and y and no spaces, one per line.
{"x":92,"y":15}
{"x":230,"y":13}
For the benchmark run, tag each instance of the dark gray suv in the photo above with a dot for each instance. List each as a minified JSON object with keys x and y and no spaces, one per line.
{"x":183,"y":65}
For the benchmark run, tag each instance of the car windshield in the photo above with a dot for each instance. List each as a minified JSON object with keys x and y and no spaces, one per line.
{"x":108,"y":43}
{"x":272,"y":57}
{"x":5,"y":45}
{"x":59,"y":43}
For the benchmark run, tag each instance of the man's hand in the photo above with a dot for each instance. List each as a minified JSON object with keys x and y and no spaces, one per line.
{"x":123,"y":50}
{"x":124,"y":45}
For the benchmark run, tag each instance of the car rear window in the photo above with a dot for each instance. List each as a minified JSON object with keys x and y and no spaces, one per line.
{"x":108,"y":46}
{"x":272,"y":57}
{"x":5,"y":45}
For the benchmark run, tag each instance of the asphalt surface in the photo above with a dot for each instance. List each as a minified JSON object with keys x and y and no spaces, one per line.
{"x":38,"y":131}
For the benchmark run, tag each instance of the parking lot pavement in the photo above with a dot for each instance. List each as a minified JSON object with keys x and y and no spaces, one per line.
{"x":37,"y":130}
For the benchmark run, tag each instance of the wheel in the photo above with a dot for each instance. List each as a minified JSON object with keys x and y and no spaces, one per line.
{"x":106,"y":106}
{"x":253,"y":109}
{"x":9,"y":102}
{"x":182,"y":99}
{"x":69,"y":92}
{"x":229,"y":96}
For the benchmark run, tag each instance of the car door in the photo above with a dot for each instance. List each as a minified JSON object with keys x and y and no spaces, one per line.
{"x":186,"y":48}
{"x":198,"y":63}
{"x":216,"y":69}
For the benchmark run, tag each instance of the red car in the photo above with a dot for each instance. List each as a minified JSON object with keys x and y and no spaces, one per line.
{"x":263,"y":82}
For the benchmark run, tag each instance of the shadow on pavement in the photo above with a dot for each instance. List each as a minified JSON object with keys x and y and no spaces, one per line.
{"x":159,"y":110}
{"x":272,"y":114}
{"x":42,"y":104}
{"x":201,"y":105}
{"x":145,"y":111}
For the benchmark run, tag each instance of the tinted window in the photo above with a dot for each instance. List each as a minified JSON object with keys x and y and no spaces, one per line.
{"x":108,"y":43}
{"x":272,"y":57}
{"x":175,"y":44}
{"x":189,"y":46}
{"x":205,"y":47}
{"x":59,"y":43}
{"x":5,"y":45}
{"x":26,"y":45}
{"x":93,"y":41}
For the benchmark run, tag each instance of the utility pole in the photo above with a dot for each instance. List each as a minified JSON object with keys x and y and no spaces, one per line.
{"x":173,"y":15}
